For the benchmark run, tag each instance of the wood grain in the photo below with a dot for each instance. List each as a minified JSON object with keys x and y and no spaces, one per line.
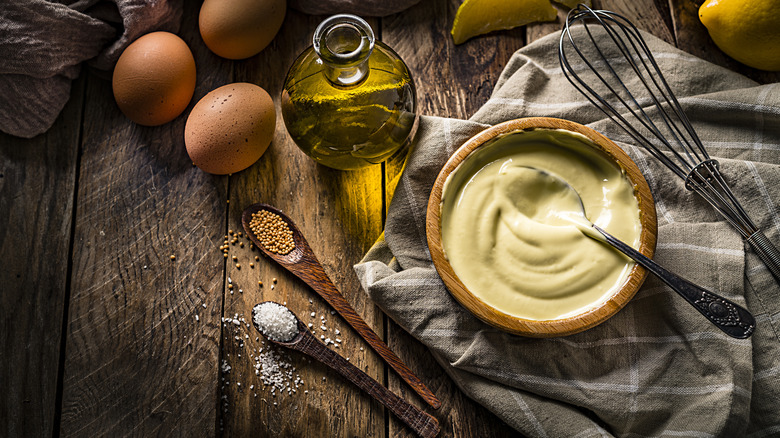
{"x":547,"y":328}
{"x":138,"y":361}
{"x":649,"y":15}
{"x":452,"y":81}
{"x":37,"y":181}
{"x":303,"y":263}
{"x":340,"y":214}
{"x":420,"y":422}
{"x":135,"y":359}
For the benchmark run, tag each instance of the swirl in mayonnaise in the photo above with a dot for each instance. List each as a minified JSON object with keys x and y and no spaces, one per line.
{"x":499,"y":238}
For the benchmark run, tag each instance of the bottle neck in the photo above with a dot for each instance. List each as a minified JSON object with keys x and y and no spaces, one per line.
{"x":344,"y":43}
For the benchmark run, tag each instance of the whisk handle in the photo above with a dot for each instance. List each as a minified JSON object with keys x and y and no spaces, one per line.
{"x":728,"y":316}
{"x":766,"y":251}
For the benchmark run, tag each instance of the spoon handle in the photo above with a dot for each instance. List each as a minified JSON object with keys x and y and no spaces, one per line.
{"x":424,"y":424}
{"x":733,"y":319}
{"x":316,"y":277}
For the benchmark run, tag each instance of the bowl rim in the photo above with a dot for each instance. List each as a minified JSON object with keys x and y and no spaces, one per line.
{"x":555,"y":327}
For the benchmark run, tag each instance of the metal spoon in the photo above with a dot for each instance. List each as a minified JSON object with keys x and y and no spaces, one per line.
{"x":733,"y":319}
{"x":424,"y":424}
{"x":302,"y":262}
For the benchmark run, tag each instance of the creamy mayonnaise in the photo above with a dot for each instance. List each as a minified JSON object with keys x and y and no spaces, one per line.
{"x":502,"y":234}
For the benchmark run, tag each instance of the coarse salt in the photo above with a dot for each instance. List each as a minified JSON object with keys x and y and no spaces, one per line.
{"x":275,"y":321}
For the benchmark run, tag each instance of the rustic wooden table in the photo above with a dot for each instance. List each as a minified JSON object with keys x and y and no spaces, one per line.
{"x":103,"y":334}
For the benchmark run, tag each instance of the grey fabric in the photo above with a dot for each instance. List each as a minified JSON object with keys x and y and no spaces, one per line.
{"x":44,"y":43}
{"x":657,"y":368}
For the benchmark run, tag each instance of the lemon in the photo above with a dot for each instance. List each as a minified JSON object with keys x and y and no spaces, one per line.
{"x":746,"y":30}
{"x":477,"y":17}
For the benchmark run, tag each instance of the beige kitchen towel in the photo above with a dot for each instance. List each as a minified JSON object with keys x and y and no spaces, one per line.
{"x":43,"y":44}
{"x":657,"y":368}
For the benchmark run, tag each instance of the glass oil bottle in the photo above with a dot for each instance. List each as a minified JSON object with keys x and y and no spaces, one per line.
{"x":348,"y":100}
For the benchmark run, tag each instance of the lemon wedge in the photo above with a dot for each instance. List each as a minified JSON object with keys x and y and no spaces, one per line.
{"x":746,"y":30}
{"x":477,"y":17}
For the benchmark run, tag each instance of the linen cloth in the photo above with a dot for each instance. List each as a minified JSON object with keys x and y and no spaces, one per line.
{"x":44,"y":43}
{"x":658,"y":367}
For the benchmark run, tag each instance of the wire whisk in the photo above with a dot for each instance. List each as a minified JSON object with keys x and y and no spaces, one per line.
{"x":640,"y":101}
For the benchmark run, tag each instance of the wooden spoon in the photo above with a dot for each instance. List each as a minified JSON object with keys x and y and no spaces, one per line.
{"x":424,"y":424}
{"x":302,"y":262}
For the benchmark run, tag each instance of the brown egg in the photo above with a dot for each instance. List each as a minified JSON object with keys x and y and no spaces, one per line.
{"x":238,"y":29}
{"x":154,"y":79}
{"x":230,"y":128}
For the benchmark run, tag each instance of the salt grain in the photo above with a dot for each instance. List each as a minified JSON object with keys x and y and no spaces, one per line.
{"x":275,"y":321}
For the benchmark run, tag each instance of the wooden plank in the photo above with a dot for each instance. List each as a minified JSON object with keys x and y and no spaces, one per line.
{"x":649,"y":15}
{"x":37,"y":182}
{"x":693,"y":37}
{"x":452,"y":81}
{"x":340,"y":214}
{"x":143,"y":330}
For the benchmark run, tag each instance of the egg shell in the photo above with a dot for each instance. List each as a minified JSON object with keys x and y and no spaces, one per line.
{"x":238,"y":29}
{"x":154,"y":79}
{"x":230,"y":128}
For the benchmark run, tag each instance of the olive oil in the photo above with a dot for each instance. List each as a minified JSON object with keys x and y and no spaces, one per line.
{"x":348,"y":101}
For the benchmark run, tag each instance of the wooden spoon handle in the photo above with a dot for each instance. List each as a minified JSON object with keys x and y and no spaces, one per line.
{"x":316,"y":277}
{"x":304,"y":264}
{"x":424,"y":424}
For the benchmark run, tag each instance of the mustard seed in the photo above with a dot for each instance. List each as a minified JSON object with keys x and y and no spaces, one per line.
{"x":272,"y":231}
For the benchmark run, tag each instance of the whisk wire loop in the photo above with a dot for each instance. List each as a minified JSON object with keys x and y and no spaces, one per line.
{"x":615,"y":86}
{"x":641,"y":102}
{"x":631,"y":56}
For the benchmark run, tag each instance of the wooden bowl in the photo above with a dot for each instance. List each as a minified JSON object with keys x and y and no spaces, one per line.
{"x":554,"y":327}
